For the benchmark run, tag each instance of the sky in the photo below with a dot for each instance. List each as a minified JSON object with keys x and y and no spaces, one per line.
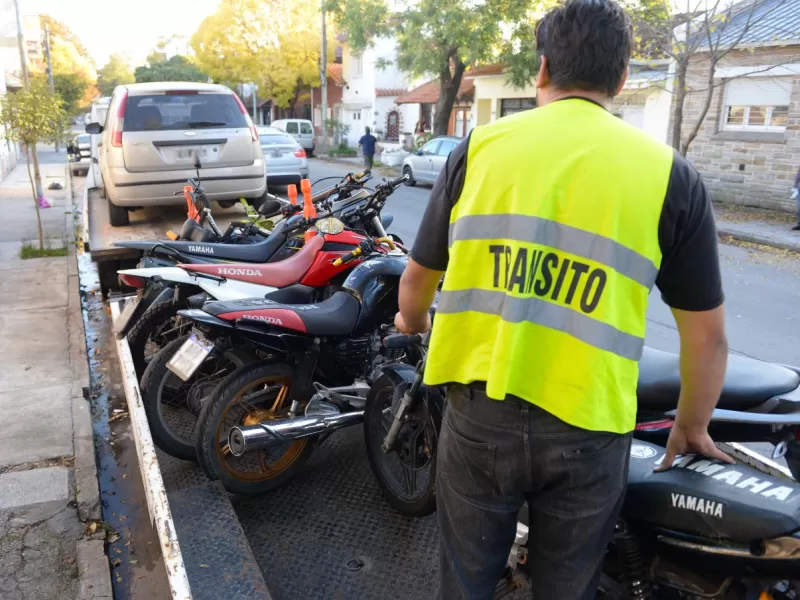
{"x":129,"y":27}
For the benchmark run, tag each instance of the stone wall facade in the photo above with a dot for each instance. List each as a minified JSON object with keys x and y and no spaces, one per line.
{"x":744,"y":167}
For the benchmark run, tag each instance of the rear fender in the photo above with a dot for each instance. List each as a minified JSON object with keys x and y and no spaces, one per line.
{"x":166,"y":274}
{"x":231,"y":289}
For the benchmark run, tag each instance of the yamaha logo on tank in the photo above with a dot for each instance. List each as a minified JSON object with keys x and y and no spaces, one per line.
{"x":201,"y":249}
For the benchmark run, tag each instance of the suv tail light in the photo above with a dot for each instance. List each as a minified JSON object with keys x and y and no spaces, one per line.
{"x":118,"y":119}
{"x":253,"y":132}
{"x":301,"y":153}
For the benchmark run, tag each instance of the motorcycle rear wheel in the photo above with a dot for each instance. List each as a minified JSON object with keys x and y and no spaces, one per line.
{"x":414,"y":455}
{"x":158,"y":326}
{"x":246,"y":396}
{"x":172,"y":406}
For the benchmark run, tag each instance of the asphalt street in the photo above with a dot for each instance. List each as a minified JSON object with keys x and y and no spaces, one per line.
{"x":761,"y":285}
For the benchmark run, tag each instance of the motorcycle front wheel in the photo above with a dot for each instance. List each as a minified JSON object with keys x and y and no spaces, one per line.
{"x":406,"y":474}
{"x":254,"y":393}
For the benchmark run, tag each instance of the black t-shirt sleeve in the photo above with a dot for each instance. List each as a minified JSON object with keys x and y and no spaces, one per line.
{"x":431,"y":244}
{"x":689,"y":277}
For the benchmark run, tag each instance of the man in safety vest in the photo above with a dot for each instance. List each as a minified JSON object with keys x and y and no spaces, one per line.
{"x":551,"y":227}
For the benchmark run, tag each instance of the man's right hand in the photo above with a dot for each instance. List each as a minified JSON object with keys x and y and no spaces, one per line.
{"x":690,"y":441}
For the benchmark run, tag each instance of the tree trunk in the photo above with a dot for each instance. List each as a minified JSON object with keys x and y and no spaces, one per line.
{"x":680,"y":98}
{"x":297,"y":89}
{"x":36,"y":189}
{"x":704,"y":111}
{"x":449,"y":82}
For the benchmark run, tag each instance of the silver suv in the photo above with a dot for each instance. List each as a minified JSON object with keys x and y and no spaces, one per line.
{"x":154,"y":132}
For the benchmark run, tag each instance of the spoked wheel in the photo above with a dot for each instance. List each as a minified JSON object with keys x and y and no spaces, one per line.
{"x":248,"y":396}
{"x":406,"y":474}
{"x":157,"y":327}
{"x":173,"y":405}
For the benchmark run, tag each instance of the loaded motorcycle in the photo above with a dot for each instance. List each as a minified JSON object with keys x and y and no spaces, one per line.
{"x":242,"y":242}
{"x":315,"y":363}
{"x":173,"y":286}
{"x":700,"y":530}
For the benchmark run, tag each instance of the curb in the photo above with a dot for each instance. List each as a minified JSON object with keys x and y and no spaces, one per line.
{"x":94,"y":577}
{"x":383,"y":170}
{"x":757,"y":239}
{"x":155,"y":492}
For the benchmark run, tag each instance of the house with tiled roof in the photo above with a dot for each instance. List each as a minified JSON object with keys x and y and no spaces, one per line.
{"x":748,"y":146}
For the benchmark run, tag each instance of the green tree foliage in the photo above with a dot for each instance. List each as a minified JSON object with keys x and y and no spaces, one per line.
{"x":117,"y":71}
{"x":74,"y":73}
{"x":33,"y":115}
{"x":443,"y":38}
{"x":272,"y":43}
{"x":174,"y":68}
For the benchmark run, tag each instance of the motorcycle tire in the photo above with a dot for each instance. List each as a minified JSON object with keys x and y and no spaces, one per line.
{"x":249,"y":474}
{"x":172,"y":406}
{"x":149,"y":326}
{"x":376,"y":423}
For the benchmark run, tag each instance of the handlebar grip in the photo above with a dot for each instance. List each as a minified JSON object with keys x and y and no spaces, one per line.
{"x":402,"y":179}
{"x":398,"y":341}
{"x":348,"y":257}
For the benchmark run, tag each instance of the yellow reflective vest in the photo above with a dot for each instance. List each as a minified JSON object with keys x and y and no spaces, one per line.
{"x":553,"y":252}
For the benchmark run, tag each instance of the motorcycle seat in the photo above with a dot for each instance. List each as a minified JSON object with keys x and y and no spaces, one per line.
{"x":748,"y":382}
{"x":709,"y":499}
{"x":259,"y":252}
{"x":336,"y":316}
{"x":277,"y":274}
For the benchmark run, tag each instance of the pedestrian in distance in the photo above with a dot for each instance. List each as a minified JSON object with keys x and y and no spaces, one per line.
{"x":367,"y":143}
{"x":541,"y":316}
{"x":796,"y":197}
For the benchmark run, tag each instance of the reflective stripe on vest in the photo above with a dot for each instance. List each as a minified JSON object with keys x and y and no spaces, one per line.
{"x":553,"y":252}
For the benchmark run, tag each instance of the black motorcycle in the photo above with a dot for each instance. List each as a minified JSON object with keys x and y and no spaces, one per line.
{"x":700,"y":530}
{"x":310,"y":368}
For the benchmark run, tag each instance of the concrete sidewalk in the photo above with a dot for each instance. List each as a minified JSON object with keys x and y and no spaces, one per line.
{"x":758,"y":226}
{"x":48,"y":477}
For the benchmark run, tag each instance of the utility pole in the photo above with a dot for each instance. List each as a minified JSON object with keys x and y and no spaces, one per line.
{"x":255,"y":109}
{"x":49,"y":62}
{"x":23,"y":56}
{"x":323,"y":74}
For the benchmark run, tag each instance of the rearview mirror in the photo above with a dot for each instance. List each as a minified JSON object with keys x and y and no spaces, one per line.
{"x":94,"y":128}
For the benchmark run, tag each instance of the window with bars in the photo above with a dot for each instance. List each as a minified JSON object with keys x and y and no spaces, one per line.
{"x":756,"y":104}
{"x":509,"y":106}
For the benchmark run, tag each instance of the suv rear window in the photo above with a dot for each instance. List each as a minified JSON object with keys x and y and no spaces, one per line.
{"x":274,"y":139}
{"x":291,"y":127}
{"x":160,"y":112}
{"x":305,"y":128}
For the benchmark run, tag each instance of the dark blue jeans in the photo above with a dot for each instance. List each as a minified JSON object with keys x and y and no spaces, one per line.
{"x":492,"y":457}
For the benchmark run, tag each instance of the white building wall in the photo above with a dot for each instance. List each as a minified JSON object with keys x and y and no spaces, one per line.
{"x":656,"y":114}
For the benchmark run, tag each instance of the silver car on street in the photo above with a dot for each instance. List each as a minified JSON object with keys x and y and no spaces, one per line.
{"x":285,"y":157}
{"x":424,"y":165}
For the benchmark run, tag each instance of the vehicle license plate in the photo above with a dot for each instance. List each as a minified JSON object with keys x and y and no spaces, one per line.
{"x":192,"y":151}
{"x":126,"y":315}
{"x":190,"y":356}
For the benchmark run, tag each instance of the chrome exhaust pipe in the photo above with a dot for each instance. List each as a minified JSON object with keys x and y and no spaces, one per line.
{"x":250,"y":438}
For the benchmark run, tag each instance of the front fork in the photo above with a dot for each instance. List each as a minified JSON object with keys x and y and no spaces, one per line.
{"x":410,"y":396}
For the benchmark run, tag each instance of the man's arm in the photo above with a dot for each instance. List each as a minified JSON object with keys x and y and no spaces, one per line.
{"x":430,"y":253}
{"x":691,"y":284}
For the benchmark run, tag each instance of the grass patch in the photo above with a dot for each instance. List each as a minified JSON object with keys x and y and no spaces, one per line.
{"x":31,"y":251}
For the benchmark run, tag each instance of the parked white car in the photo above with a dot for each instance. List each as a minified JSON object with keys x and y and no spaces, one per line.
{"x":153,"y":133}
{"x":300,"y":129}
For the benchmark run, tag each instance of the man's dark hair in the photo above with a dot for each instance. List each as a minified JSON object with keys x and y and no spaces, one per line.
{"x":587,"y":44}
{"x":367,"y":130}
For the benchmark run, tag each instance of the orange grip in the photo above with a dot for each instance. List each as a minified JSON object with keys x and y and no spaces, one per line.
{"x":293,"y":194}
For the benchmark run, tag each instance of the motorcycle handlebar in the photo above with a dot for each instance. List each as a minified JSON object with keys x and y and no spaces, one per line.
{"x":399,"y":341}
{"x":348,"y":257}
